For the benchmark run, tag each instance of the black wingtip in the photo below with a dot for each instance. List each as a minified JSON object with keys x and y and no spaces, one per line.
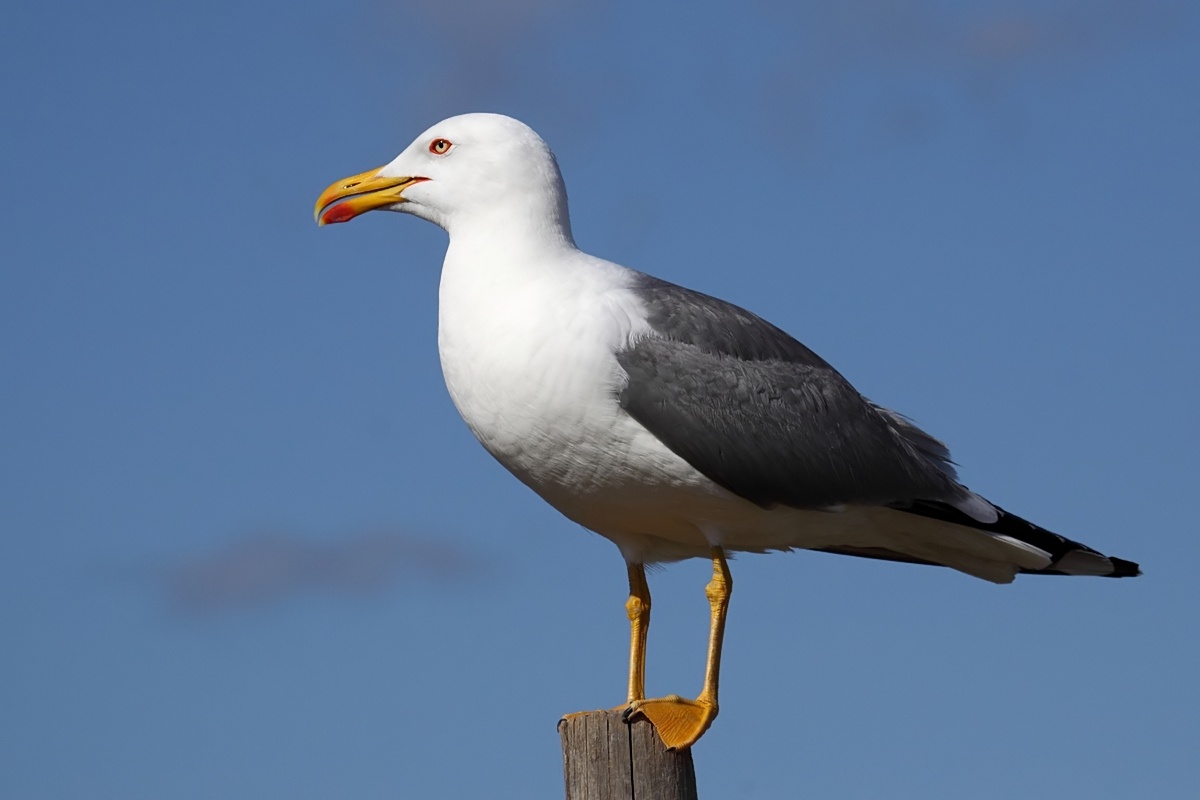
{"x":1123,"y":568}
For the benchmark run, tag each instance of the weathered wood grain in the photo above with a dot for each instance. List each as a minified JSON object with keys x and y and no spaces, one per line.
{"x":605,"y":758}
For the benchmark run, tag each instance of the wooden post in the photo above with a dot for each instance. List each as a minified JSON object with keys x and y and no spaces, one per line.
{"x":605,"y":758}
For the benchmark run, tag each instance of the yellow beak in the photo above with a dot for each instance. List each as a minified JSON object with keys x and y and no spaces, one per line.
{"x":359,"y":194}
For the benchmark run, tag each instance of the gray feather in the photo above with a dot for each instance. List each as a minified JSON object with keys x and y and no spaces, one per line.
{"x":763,"y":416}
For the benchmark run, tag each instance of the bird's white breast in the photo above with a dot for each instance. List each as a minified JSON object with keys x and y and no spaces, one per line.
{"x":528,"y":359}
{"x":528,"y":354}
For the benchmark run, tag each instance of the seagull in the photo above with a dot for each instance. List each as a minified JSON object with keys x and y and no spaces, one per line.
{"x":672,"y":423}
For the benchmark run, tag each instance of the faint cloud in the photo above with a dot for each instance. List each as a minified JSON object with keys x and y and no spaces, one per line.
{"x":267,"y":567}
{"x":919,"y":58}
{"x":488,"y":49}
{"x":860,"y":32}
{"x":1008,"y":38}
{"x":815,"y":77}
{"x":1067,"y":31}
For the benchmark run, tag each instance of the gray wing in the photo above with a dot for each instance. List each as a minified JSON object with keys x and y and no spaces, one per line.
{"x":763,"y":416}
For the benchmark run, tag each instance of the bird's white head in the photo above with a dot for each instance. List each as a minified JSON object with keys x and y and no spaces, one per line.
{"x":469,"y":170}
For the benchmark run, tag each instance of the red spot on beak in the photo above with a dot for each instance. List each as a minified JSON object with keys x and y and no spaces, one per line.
{"x":342,"y":212}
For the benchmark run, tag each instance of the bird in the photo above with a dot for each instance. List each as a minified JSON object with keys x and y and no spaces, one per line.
{"x":673,"y":423}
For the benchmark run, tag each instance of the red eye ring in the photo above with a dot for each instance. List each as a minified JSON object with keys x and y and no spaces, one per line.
{"x":439,"y":147}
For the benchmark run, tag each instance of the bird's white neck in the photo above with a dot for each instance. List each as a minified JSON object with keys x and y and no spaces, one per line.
{"x":501,"y":252}
{"x":536,"y":218}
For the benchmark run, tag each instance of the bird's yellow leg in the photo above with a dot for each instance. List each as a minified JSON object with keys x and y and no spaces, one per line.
{"x":638,"y":609}
{"x":681,"y":722}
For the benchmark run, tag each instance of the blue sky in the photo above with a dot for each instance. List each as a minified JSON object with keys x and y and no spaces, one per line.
{"x":248,"y":549}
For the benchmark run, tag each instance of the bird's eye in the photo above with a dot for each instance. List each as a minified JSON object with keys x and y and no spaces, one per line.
{"x":439,"y":147}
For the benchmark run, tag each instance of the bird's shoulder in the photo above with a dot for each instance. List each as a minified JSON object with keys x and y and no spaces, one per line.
{"x":716,"y":326}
